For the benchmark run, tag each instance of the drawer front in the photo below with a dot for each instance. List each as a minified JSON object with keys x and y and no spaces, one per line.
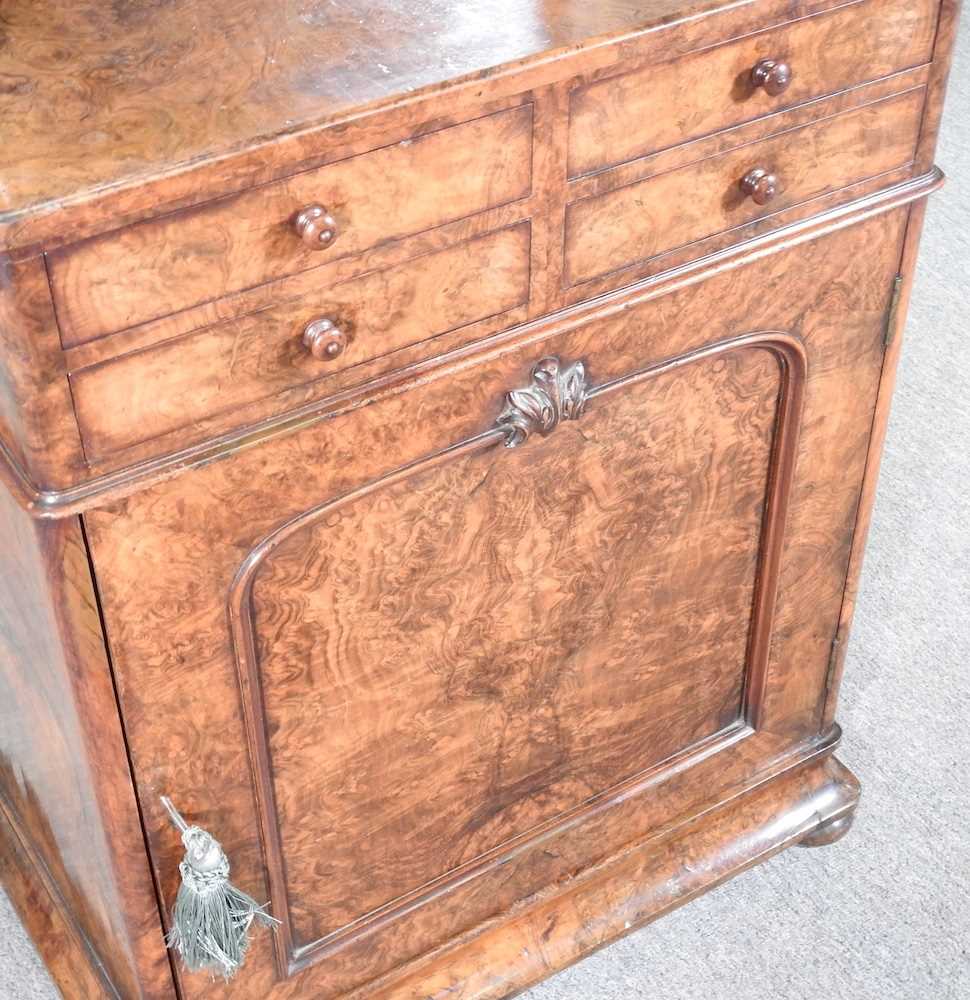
{"x":157,"y":268}
{"x":607,"y":232}
{"x":625,"y":117}
{"x":148,"y":393}
{"x":453,"y":674}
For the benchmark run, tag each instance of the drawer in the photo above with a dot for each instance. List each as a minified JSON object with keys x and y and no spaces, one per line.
{"x":610,"y":231}
{"x":159,"y":267}
{"x":150,"y":392}
{"x":620,"y":118}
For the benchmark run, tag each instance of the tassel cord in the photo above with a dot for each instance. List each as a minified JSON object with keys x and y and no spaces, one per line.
{"x":211,"y":918}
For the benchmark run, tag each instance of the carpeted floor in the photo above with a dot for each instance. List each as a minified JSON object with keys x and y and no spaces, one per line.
{"x":886,"y":912}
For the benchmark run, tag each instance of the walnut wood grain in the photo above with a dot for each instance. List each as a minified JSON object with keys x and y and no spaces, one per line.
{"x":67,"y":954}
{"x":150,"y":270}
{"x":297,"y":286}
{"x":653,"y":879}
{"x":948,"y":20}
{"x":29,"y":486}
{"x":223,"y":367}
{"x":159,"y":107}
{"x":122,"y":473}
{"x":776,"y":229}
{"x":748,"y":133}
{"x":68,"y":815}
{"x":513,"y":650}
{"x":669,"y":210}
{"x":614,"y":120}
{"x":199,"y":527}
{"x":38,"y":434}
{"x":439,"y":699}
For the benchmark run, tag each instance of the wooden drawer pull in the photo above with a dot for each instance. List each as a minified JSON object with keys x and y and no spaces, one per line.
{"x":324,"y":339}
{"x":760,"y":185}
{"x":316,"y":227}
{"x":774,"y":76}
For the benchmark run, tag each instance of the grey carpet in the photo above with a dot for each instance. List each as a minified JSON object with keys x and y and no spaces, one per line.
{"x":886,"y":912}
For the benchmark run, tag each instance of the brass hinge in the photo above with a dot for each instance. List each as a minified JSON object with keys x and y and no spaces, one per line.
{"x":834,"y":654}
{"x":892,"y":320}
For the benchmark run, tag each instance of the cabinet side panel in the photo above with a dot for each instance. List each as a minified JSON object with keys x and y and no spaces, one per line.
{"x":38,"y":432}
{"x":895,"y":325}
{"x":948,"y":25}
{"x":847,"y":352}
{"x":65,"y":790}
{"x":943,"y":54}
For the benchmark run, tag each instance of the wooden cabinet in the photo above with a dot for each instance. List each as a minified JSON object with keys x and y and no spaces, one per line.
{"x":431,"y":673}
{"x":474,"y":556}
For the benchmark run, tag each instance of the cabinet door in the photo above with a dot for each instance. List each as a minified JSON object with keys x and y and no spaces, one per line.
{"x":415,"y":663}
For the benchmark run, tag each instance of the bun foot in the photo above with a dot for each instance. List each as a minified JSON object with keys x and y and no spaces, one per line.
{"x":829,"y":832}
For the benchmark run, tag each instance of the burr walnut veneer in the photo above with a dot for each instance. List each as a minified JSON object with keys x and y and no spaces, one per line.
{"x":437,"y":442}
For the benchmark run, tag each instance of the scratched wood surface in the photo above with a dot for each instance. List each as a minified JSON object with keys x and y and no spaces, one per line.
{"x":614,"y":120}
{"x":166,"y":558}
{"x":647,"y":882}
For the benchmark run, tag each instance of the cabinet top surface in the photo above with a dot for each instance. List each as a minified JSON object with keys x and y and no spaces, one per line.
{"x":96,"y":96}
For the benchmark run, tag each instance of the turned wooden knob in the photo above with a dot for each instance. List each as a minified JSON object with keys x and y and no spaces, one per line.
{"x":774,"y":76}
{"x":760,"y":185}
{"x":324,"y":339}
{"x":316,"y":227}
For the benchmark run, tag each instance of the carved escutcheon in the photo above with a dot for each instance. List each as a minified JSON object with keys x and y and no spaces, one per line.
{"x":556,"y":394}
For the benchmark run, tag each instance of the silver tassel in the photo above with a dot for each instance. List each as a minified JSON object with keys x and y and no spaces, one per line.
{"x":211,"y":917}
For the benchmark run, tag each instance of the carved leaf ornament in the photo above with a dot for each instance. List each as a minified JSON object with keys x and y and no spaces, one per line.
{"x":555,"y":394}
